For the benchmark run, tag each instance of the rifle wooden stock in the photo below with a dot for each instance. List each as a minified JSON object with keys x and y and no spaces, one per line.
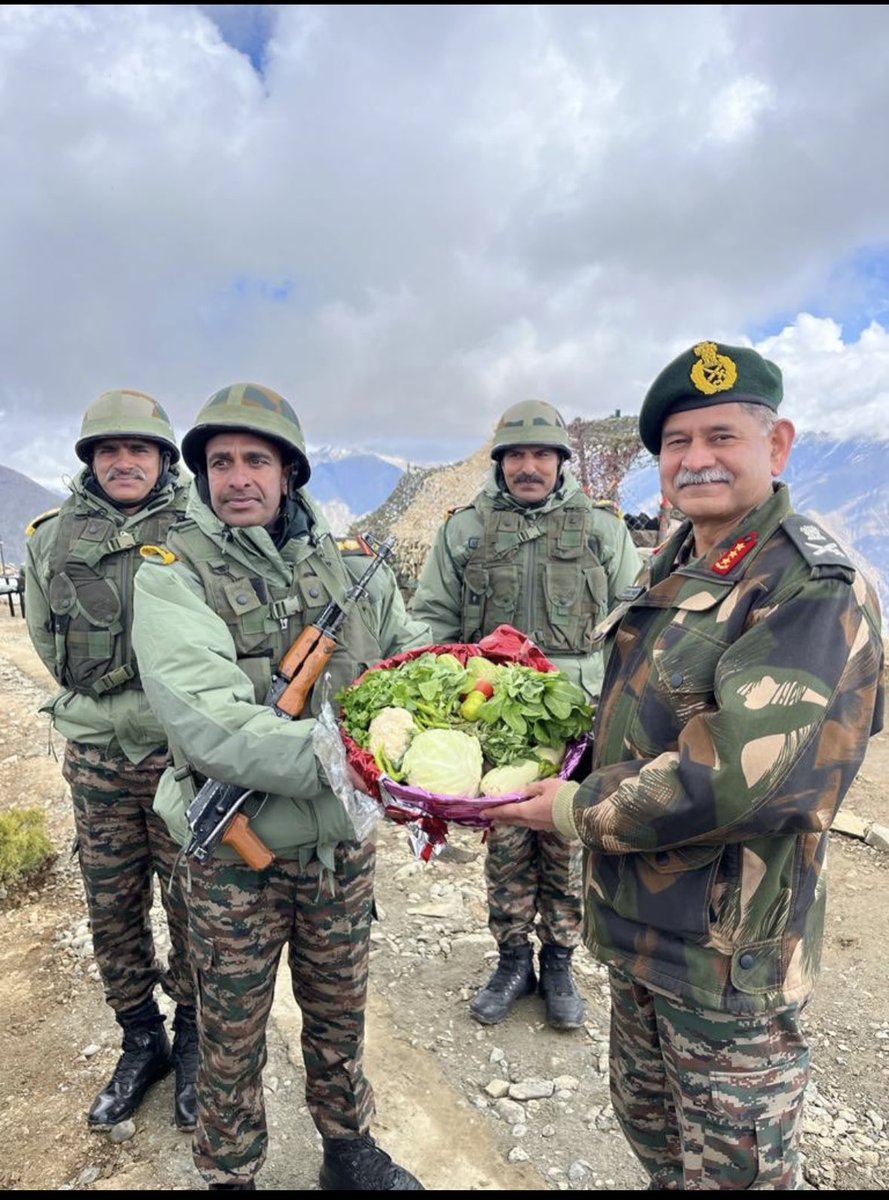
{"x":251,"y":848}
{"x":305,"y":661}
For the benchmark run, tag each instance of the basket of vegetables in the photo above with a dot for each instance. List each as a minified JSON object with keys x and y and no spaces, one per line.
{"x":447,"y":731}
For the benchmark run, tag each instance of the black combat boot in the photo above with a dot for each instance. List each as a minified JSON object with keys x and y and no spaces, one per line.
{"x":565,"y":1008}
{"x":513,"y":978}
{"x":146,"y":1059}
{"x":185,"y":1064}
{"x":359,"y":1165}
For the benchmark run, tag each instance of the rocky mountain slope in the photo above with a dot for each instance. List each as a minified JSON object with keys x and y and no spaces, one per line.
{"x":21,"y":499}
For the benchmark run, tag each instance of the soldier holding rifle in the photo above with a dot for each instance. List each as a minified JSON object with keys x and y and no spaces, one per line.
{"x":251,"y":566}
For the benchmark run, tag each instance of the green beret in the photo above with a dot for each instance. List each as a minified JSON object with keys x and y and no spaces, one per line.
{"x":709,"y":373}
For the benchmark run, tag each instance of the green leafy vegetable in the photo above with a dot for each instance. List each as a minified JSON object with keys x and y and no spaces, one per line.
{"x":529,"y":713}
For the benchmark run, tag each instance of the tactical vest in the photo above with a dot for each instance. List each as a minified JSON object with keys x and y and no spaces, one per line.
{"x":539,"y":573}
{"x":264,"y":619}
{"x":93,"y":564}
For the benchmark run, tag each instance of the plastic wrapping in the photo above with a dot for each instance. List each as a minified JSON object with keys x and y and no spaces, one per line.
{"x":363,"y":810}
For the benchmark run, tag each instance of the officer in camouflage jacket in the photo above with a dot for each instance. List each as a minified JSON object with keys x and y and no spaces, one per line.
{"x":534,"y":551}
{"x":251,"y":565}
{"x":81,"y":562}
{"x":744,"y":681}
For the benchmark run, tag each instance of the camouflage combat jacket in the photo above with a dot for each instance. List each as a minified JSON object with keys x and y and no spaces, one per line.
{"x":81,"y":561}
{"x":740,"y":693}
{"x":213,"y":618}
{"x":552,"y":570}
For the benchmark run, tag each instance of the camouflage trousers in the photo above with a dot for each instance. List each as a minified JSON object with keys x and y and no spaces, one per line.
{"x":707,"y":1100}
{"x":530,"y":877}
{"x":239,"y":922}
{"x":122,"y":845}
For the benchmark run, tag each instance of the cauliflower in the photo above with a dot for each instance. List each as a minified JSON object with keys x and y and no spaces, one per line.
{"x":389,"y":734}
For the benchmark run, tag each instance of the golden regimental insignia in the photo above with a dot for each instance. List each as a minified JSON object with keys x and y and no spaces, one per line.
{"x":713,"y":372}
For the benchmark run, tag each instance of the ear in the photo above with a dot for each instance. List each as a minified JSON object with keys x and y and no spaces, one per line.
{"x":780,"y":442}
{"x":285,"y":478}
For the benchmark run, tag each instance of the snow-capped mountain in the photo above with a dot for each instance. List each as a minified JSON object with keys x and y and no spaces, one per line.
{"x":349,"y":483}
{"x":842,"y":484}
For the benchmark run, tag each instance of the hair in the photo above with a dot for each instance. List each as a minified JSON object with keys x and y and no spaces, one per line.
{"x":766,"y":417}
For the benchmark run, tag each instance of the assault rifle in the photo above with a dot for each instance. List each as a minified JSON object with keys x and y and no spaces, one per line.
{"x":215,"y":814}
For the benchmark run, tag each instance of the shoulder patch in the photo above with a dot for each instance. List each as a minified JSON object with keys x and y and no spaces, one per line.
{"x":157,"y":554}
{"x":354,"y":545}
{"x":44,"y":516}
{"x":823,"y":554}
{"x":609,"y":505}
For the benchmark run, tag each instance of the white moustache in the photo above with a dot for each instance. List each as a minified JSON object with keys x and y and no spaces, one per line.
{"x":713,"y":475}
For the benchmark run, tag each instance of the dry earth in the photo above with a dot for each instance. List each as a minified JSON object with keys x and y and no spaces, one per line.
{"x":514,"y":1107}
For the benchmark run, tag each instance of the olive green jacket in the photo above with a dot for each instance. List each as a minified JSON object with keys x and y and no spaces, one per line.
{"x":552,"y":570}
{"x":77,"y":636}
{"x":740,"y":693}
{"x":210,"y":628}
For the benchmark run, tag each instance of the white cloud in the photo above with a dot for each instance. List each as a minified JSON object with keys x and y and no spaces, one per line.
{"x":405,"y":218}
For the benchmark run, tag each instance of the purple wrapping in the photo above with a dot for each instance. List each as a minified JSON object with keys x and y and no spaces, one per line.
{"x":463,"y":810}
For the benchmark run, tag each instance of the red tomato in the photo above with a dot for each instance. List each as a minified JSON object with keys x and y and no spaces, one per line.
{"x":485,"y":687}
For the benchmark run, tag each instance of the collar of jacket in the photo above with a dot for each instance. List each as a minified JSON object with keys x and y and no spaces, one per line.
{"x":761,"y":521}
{"x":252,"y":545}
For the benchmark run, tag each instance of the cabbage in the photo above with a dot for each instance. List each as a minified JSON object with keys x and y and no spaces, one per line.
{"x":512,"y":778}
{"x":447,"y":762}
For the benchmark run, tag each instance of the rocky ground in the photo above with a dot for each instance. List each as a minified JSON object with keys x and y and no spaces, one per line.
{"x":511,"y":1107}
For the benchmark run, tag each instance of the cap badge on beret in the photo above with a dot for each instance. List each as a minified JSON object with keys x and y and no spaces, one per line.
{"x":713,"y":372}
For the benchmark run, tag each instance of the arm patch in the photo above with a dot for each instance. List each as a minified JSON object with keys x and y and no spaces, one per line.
{"x":825,"y":556}
{"x":353,"y":545}
{"x":44,"y":516}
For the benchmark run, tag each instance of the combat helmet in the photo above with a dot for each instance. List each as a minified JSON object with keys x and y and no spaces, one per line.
{"x":125,"y":413}
{"x":254,"y":408}
{"x":531,"y":423}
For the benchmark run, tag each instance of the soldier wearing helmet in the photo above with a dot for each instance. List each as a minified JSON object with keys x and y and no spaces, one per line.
{"x":251,"y":565}
{"x":533,"y":551}
{"x":81,"y":560}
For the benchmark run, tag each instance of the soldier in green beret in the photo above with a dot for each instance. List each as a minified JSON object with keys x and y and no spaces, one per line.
{"x":744,"y":680}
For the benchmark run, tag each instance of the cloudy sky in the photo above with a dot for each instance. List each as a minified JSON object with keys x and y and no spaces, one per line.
{"x":407,"y":217}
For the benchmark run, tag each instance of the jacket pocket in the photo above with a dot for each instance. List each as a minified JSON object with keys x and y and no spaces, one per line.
{"x":670,"y":890}
{"x":681,"y":686}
